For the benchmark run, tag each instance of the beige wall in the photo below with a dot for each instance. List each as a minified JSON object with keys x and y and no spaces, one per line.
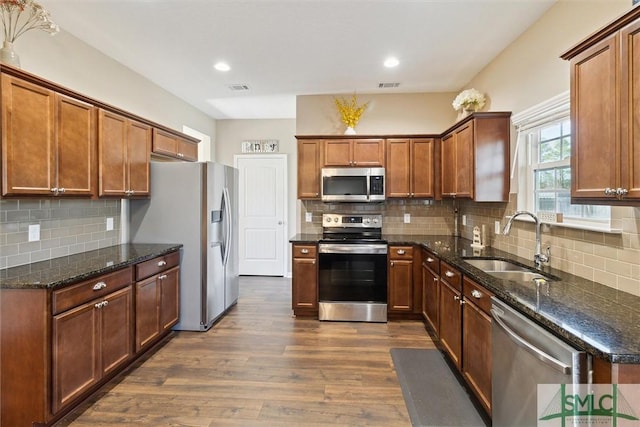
{"x":526,"y":73}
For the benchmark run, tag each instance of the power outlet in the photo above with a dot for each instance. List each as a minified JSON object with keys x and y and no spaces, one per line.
{"x":109,"y":224}
{"x":464,"y":220}
{"x":34,"y":232}
{"x":407,"y":218}
{"x":498,"y":228}
{"x":308,"y":216}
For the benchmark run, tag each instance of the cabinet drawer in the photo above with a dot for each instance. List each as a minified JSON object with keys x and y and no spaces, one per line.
{"x":300,"y":251}
{"x":431,"y":262}
{"x":451,"y":275}
{"x":156,"y":265}
{"x":401,"y":252}
{"x":477,"y":294}
{"x":80,"y":293}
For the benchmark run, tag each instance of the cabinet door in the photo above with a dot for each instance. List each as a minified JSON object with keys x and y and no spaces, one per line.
{"x":309,"y":166}
{"x":430,"y":298}
{"x":476,"y":358}
{"x":76,"y":358}
{"x":400,"y":285}
{"x":368,"y":152}
{"x":169,"y":298}
{"x":422,"y":168}
{"x":448,"y":166}
{"x":164,"y":143}
{"x":116,"y":326}
{"x":112,"y":154}
{"x":76,"y":147}
{"x":138,"y":158}
{"x":464,"y":164}
{"x":398,"y":171}
{"x":147,"y":312}
{"x":187,"y":150}
{"x":630,"y":110}
{"x":337,"y":152}
{"x":28,"y":150}
{"x":304,"y":283}
{"x":595,"y":119}
{"x":450,"y":322}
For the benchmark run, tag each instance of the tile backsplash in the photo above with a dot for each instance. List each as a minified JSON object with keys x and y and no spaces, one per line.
{"x":66,"y":227}
{"x":610,"y":259}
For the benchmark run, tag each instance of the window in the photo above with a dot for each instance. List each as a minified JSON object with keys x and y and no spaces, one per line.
{"x":543,"y":164}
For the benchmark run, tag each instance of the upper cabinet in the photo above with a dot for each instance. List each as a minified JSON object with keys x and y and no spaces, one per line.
{"x":474,"y":158}
{"x":124,"y":148}
{"x":410,"y":167}
{"x":309,"y":166}
{"x":169,"y":145}
{"x":605,"y":89}
{"x":48,"y":142}
{"x":354,"y":152}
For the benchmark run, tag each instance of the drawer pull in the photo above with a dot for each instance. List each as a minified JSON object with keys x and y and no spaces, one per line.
{"x":164,"y":276}
{"x":101,"y":304}
{"x":456,"y":298}
{"x":304,"y":251}
{"x":430,"y":259}
{"x":449,"y":273}
{"x":98,"y":286}
{"x":476,"y":294}
{"x":401,"y":252}
{"x":162,"y":263}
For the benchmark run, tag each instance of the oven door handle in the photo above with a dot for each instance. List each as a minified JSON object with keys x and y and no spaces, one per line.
{"x":360,"y":248}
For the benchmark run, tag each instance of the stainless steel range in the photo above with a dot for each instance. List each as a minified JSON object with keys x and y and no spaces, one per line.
{"x":352,"y":280}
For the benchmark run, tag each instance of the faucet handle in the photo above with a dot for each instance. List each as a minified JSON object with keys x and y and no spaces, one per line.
{"x":545,"y":257}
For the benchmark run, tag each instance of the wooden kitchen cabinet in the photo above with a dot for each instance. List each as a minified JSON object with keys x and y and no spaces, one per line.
{"x":309,"y":168}
{"x":400,"y":279}
{"x":605,"y":88}
{"x":450,"y":311}
{"x":476,"y":340}
{"x":157,"y":298}
{"x":474,"y":158}
{"x":124,"y":148}
{"x":48,"y":142}
{"x":431,"y":290}
{"x":366,"y":152}
{"x":169,"y":145}
{"x":99,"y":332}
{"x":410,"y":167}
{"x":304,"y":280}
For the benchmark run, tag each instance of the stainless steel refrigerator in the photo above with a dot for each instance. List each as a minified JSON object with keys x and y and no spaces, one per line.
{"x":194,"y":204}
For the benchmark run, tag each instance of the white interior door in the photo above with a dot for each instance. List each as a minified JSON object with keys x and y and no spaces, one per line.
{"x":262,"y":206}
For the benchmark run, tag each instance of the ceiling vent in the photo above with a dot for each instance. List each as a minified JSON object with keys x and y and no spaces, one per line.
{"x":387,"y":85}
{"x":238,"y":87}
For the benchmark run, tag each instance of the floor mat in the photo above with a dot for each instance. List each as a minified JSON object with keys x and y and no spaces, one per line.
{"x":433,"y":395}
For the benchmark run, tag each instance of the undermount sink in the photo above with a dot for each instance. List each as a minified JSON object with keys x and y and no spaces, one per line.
{"x":506,"y":270}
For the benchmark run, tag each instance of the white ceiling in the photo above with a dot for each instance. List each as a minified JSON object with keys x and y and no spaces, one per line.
{"x":284,"y":48}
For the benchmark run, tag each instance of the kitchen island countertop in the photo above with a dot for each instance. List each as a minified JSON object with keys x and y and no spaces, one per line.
{"x":599,"y":319}
{"x":73,"y":268}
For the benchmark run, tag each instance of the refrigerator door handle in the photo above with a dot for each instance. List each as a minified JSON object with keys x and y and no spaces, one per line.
{"x":227,"y":226}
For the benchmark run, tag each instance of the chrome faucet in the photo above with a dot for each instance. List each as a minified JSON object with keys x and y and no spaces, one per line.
{"x":538,"y":257}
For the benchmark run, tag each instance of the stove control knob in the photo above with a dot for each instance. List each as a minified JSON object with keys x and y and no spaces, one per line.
{"x":328,"y":219}
{"x":367,"y":220}
{"x":375,"y":220}
{"x":335,"y":219}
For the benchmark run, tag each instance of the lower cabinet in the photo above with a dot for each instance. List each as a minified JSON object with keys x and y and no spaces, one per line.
{"x":400,"y":279}
{"x":431,"y":290}
{"x":476,"y":340}
{"x":450,"y":311}
{"x":304,"y":280}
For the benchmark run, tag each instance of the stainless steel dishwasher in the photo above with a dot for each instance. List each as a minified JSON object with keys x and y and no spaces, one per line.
{"x":525,"y":355}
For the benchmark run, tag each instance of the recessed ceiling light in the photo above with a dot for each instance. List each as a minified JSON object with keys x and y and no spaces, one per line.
{"x":391,"y":62}
{"x":222,"y":66}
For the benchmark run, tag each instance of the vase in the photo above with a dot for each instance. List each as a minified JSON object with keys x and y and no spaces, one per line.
{"x":8,"y":55}
{"x":464,"y":112}
{"x":350,"y":131}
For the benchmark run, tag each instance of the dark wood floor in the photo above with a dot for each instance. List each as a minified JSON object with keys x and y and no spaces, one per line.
{"x":259,"y":366}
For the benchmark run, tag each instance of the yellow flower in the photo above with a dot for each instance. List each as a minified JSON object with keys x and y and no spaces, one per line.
{"x":349,"y":111}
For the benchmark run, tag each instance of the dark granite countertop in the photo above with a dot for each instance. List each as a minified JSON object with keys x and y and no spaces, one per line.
{"x":599,"y":319}
{"x":74,"y":268}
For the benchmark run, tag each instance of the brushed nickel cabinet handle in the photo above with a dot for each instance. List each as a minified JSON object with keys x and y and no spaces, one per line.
{"x":162,"y":263}
{"x":164,"y":276}
{"x":449,"y":274}
{"x":476,"y":293}
{"x":304,"y":251}
{"x":99,"y":285}
{"x":400,"y":251}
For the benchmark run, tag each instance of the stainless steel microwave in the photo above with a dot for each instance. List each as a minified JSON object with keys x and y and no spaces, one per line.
{"x":352,"y":184}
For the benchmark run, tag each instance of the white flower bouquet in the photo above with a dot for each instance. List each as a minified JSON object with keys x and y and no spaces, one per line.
{"x":469,"y":99}
{"x":20,"y":16}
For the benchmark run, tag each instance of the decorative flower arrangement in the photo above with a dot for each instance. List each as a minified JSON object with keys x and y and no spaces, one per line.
{"x":20,"y":16}
{"x":470,"y":100}
{"x":350,"y":112}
